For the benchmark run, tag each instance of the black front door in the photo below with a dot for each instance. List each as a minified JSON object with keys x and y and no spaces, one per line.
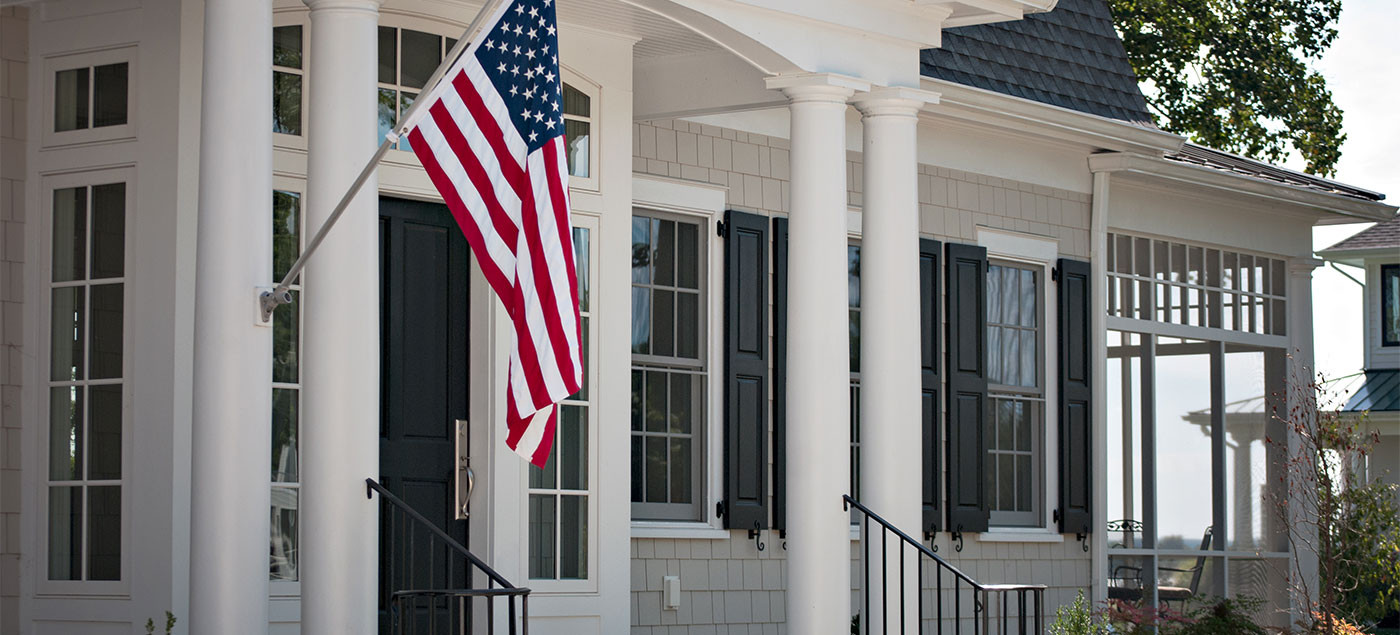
{"x":423,"y":271}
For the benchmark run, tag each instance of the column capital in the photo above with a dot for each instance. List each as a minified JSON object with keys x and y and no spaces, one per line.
{"x":370,"y":6}
{"x":1303,"y":267}
{"x":893,"y":101}
{"x":829,"y":87}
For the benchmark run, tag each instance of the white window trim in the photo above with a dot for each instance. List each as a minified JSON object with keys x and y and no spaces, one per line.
{"x":112,"y":55}
{"x":589,"y":584}
{"x":43,"y":585}
{"x":705,"y":203}
{"x":1042,"y":252}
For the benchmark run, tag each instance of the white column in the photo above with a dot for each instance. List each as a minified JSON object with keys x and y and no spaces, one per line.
{"x":232,"y":431}
{"x":1098,"y":384}
{"x":1300,"y":377}
{"x":891,"y":410}
{"x":818,"y":398}
{"x":340,"y":336}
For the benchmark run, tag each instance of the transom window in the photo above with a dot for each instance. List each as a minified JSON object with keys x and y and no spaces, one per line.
{"x":287,"y":75}
{"x":1176,"y":283}
{"x":559,"y":492}
{"x":90,"y":97}
{"x":1016,"y":395}
{"x":407,"y":59}
{"x":668,"y":367}
{"x":286,"y":393}
{"x":578,"y":124}
{"x":86,"y":387}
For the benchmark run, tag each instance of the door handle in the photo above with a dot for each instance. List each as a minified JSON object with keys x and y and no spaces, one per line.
{"x":465,"y":480}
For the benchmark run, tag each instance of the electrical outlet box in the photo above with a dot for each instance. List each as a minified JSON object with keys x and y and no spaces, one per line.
{"x":671,"y":592}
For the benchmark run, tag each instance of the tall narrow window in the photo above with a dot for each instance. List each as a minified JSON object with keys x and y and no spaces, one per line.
{"x":407,"y":58}
{"x":86,"y":369}
{"x":559,"y":491}
{"x":668,"y":367}
{"x":286,"y":393}
{"x":853,"y":313}
{"x":1016,"y":395}
{"x":286,"y":79}
{"x":578,"y":123}
{"x":90,"y":97}
{"x":1390,"y":305}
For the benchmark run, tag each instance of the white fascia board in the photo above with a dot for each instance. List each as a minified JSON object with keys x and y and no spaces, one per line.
{"x":970,"y":12}
{"x":991,"y":108}
{"x":1361,"y":257}
{"x":1320,"y":204}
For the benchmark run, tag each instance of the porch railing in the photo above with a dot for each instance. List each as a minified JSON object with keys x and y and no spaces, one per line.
{"x":426,"y":577}
{"x":959,"y":603}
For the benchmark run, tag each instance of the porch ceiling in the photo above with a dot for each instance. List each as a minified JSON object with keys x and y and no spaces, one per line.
{"x":657,"y":36}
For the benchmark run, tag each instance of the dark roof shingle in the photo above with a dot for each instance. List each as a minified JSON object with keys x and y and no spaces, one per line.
{"x":1070,"y":57}
{"x":1378,"y":236}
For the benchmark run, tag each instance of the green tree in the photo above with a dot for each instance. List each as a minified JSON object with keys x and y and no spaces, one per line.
{"x":1235,"y":75}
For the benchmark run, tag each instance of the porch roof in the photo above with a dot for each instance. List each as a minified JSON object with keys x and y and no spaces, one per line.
{"x":1379,"y":393}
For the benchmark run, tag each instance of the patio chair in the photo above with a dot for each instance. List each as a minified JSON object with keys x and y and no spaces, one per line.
{"x":1126,"y":582}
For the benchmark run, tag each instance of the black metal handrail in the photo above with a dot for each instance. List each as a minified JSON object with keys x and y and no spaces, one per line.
{"x":979,"y":595}
{"x":411,"y":593}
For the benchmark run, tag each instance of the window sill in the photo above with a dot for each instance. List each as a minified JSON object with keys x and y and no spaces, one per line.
{"x":1021,"y":535}
{"x":679,"y":530}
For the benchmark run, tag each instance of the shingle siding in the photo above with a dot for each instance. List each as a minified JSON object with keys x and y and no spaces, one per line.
{"x":14,"y":77}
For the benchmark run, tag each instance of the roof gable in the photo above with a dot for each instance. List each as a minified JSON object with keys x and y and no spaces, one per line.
{"x":1070,"y":57}
{"x":1379,"y":236}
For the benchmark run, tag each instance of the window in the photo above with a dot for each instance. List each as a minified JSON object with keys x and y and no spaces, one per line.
{"x":286,"y":392}
{"x":1016,"y":394}
{"x":90,"y":97}
{"x":669,"y":367}
{"x":559,"y":492}
{"x":1190,"y":285}
{"x":578,"y":115}
{"x":86,"y":389}
{"x":407,"y":58}
{"x":1390,"y":305}
{"x":853,"y":312}
{"x":287,"y":76}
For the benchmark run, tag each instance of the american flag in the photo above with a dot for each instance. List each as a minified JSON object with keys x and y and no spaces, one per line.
{"x":491,"y":137}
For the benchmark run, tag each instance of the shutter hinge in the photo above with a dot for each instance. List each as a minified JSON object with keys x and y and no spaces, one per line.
{"x":719,"y":509}
{"x":722,"y":229}
{"x":1055,"y":274}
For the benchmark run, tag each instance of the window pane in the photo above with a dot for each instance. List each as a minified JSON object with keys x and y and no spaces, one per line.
{"x":1006,"y":482}
{"x":680,"y":470}
{"x":285,"y":427}
{"x":405,"y":102}
{"x":1026,"y":414}
{"x":575,"y":102}
{"x":573,"y":448}
{"x":573,"y":537}
{"x":1010,"y":356}
{"x":641,"y":320}
{"x":542,"y":532}
{"x":582,"y":394}
{"x":1183,"y":420}
{"x":70,"y":234}
{"x":286,"y":46}
{"x":1023,"y":482}
{"x":286,"y":558}
{"x":388,"y":55}
{"x":656,"y":469}
{"x":65,"y":533}
{"x":853,"y":322}
{"x":66,"y":349}
{"x":286,"y":231}
{"x":1390,"y":305}
{"x":106,"y":345}
{"x":663,"y":320}
{"x":1005,"y":425}
{"x":681,"y":411}
{"x":104,"y":432}
{"x":544,"y":477}
{"x":1123,"y":409}
{"x":70,"y":100}
{"x":638,"y":401}
{"x":1010,"y":296}
{"x":286,"y":334}
{"x":1028,"y":359}
{"x":665,"y":253}
{"x":422,"y":52}
{"x":641,"y":249}
{"x":1028,"y":293}
{"x":580,"y":236}
{"x":994,"y":295}
{"x":66,"y":433}
{"x":109,"y":95}
{"x":577,"y":136}
{"x":638,"y":468}
{"x":688,"y":255}
{"x":108,"y":230}
{"x":1255,"y":465}
{"x":688,"y":325}
{"x":286,"y":103}
{"x":104,"y":533}
{"x":656,"y":401}
{"x":994,"y":370}
{"x":387,"y":116}
{"x":853,"y":276}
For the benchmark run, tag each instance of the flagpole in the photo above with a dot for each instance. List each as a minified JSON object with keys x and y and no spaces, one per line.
{"x":281,"y":294}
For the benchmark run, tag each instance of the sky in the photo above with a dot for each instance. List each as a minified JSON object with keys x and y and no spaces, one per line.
{"x":1360,"y":68}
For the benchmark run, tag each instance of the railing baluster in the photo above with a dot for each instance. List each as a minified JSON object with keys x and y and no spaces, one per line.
{"x":884,"y":579}
{"x":902,"y":591}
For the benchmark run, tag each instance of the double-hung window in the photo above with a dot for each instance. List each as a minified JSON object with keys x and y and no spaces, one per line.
{"x":669,"y":366}
{"x":284,"y":550}
{"x":1390,"y":305}
{"x":1016,"y":394}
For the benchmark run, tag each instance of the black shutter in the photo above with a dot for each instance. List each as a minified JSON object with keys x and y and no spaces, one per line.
{"x":1076,"y":397}
{"x":780,"y":258}
{"x":745,"y":371}
{"x":967,"y":387}
{"x":931,"y":382}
